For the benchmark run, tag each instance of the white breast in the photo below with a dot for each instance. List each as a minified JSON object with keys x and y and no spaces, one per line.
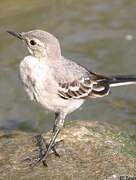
{"x":35,"y":76}
{"x":34,"y":66}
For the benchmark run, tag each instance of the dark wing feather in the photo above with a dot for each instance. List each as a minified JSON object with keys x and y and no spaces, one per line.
{"x":91,"y":86}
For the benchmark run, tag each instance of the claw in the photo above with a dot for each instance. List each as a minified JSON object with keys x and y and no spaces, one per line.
{"x":43,"y":146}
{"x":42,"y":149}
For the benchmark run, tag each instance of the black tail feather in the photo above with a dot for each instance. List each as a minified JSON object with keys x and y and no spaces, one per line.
{"x":121,"y":80}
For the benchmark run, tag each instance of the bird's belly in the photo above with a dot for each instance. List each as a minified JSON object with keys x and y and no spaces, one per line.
{"x":57,"y":104}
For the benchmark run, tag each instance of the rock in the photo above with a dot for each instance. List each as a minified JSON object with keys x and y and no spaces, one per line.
{"x":89,"y":151}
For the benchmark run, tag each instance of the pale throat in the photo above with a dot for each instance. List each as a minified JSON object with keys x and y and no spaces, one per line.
{"x":38,"y":54}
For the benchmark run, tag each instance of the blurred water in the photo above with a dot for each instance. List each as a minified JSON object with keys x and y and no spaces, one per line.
{"x":100,"y":34}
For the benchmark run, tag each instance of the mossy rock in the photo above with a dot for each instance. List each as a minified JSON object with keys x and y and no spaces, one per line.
{"x":89,"y":150}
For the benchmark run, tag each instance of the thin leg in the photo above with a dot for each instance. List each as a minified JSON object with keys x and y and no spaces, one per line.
{"x":59,"y":121}
{"x":43,"y":146}
{"x":56,"y":121}
{"x":50,"y":145}
{"x":45,"y":149}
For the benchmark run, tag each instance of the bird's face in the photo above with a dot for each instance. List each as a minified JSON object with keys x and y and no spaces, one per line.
{"x":40,"y":44}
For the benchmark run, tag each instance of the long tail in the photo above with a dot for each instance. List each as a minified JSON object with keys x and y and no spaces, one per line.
{"x":121,"y":80}
{"x":103,"y":83}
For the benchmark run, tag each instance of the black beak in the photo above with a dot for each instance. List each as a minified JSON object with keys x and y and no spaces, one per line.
{"x":16,"y":34}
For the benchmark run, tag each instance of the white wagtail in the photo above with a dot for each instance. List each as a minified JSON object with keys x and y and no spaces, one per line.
{"x":57,"y":83}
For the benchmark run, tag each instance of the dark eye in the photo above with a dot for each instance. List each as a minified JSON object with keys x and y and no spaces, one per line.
{"x":32,"y":42}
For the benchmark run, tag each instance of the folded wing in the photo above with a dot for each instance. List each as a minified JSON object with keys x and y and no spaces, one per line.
{"x":93,"y":85}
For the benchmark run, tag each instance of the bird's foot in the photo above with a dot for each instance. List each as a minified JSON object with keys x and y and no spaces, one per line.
{"x":43,"y":151}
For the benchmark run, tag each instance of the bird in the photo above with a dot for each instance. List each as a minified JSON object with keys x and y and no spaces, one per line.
{"x":59,"y":84}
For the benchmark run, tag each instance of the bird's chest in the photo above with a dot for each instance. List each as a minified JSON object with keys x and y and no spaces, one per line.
{"x":36,"y":77}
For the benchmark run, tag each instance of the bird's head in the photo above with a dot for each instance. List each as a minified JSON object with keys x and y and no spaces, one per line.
{"x":40,"y":44}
